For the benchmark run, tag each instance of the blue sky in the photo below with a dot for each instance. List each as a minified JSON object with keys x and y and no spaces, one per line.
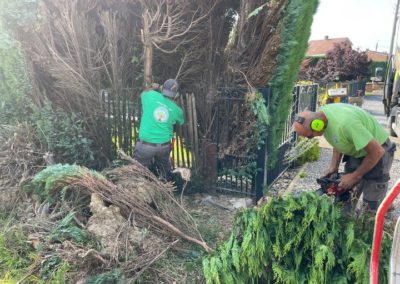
{"x":364,"y":22}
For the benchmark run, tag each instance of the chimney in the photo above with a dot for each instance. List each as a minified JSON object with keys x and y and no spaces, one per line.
{"x":326,"y":37}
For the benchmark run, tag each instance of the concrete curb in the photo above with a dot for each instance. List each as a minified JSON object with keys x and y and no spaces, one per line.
{"x":295,"y":180}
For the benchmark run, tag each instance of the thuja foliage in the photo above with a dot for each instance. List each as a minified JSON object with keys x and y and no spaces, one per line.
{"x":53,"y":270}
{"x":115,"y":276}
{"x":303,"y":239}
{"x":305,"y":150}
{"x":311,"y":155}
{"x":294,"y":40}
{"x":66,"y":230}
{"x":44,"y":182}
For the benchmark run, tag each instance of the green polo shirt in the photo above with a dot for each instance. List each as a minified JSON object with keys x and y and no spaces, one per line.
{"x":158,"y":118}
{"x":351,"y":128}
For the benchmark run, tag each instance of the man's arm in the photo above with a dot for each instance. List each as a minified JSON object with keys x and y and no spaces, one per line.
{"x":335,"y":161}
{"x":374,"y":154}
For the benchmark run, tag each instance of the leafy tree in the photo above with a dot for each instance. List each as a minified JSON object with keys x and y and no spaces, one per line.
{"x":341,"y":63}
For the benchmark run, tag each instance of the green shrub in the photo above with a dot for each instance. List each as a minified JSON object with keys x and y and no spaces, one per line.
{"x":63,"y":134}
{"x":310,"y":155}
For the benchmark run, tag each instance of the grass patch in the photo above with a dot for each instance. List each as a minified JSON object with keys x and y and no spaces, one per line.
{"x":16,"y":254}
{"x":18,"y":258}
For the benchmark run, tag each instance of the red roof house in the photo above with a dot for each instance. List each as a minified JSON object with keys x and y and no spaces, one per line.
{"x":376,"y":56}
{"x":319,"y":48}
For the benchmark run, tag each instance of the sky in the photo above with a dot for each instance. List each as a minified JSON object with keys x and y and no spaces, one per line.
{"x":367,"y":23}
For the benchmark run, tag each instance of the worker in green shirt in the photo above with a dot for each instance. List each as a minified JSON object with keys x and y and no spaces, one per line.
{"x":159,"y":115}
{"x":358,"y":140}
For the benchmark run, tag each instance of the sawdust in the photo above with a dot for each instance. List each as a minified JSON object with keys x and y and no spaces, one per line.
{"x":108,"y":226}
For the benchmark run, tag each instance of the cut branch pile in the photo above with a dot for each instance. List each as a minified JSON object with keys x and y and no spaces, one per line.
{"x":303,"y":239}
{"x":20,"y":154}
{"x":164,"y":214}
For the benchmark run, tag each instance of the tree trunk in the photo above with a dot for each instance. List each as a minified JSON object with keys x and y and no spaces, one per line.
{"x":148,"y":62}
{"x":148,"y":49}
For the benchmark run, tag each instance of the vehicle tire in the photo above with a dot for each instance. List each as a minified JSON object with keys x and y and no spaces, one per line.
{"x":391,"y":131}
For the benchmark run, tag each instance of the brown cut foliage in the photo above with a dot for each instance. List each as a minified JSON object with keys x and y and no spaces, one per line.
{"x":21,"y":155}
{"x":254,"y":50}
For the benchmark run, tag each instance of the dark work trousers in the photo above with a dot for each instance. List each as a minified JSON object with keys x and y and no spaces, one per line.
{"x":154,"y":155}
{"x":374,"y":184}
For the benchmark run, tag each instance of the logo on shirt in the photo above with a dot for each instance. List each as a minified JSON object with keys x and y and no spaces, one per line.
{"x":161,"y":114}
{"x":335,"y":139}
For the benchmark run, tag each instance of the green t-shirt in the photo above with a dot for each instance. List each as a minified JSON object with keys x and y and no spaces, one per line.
{"x":351,"y":128}
{"x":159,"y":116}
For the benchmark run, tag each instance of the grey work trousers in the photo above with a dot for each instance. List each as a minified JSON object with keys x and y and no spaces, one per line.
{"x":374,"y":184}
{"x":155,"y":157}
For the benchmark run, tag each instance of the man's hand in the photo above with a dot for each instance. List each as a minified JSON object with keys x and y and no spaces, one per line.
{"x":331,"y":173}
{"x":349,"y":180}
{"x":153,"y":86}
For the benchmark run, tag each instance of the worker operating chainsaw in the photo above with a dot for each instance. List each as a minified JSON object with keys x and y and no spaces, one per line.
{"x":358,"y":140}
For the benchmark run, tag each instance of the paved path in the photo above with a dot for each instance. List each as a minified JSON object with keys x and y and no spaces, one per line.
{"x":373,"y":104}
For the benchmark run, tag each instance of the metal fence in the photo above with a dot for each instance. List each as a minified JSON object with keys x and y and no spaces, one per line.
{"x":234,"y":171}
{"x":123,"y":115}
{"x":237,"y":173}
{"x":231,"y":177}
{"x":357,"y":88}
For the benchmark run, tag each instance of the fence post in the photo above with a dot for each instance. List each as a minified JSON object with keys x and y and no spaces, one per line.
{"x":260,"y":178}
{"x":262,"y":156}
{"x":209,"y":164}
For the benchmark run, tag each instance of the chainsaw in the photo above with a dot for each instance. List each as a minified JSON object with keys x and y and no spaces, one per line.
{"x":330,"y":186}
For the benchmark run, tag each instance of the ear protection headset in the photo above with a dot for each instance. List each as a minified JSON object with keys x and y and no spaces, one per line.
{"x":316,"y":124}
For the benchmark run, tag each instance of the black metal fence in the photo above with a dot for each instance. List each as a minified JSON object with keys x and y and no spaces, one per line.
{"x":237,"y":170}
{"x":357,"y":88}
{"x":235,"y":174}
{"x":123,"y":114}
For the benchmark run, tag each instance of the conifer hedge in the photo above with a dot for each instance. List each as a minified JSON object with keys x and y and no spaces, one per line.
{"x":303,"y":239}
{"x":294,"y":41}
